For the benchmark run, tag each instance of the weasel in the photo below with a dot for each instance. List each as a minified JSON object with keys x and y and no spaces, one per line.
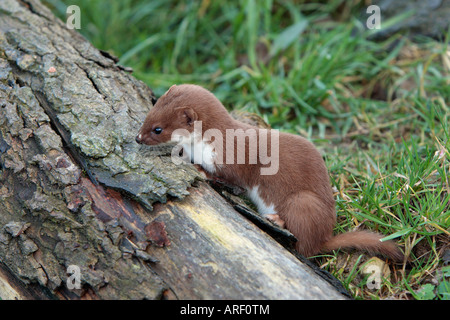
{"x":297,"y":193}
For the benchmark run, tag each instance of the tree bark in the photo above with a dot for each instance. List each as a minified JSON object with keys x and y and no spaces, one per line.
{"x":76,"y":190}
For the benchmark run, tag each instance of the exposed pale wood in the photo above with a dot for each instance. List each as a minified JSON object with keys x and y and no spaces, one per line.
{"x":218,"y":254}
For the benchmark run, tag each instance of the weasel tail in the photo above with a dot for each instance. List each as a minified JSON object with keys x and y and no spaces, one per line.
{"x":366,"y":241}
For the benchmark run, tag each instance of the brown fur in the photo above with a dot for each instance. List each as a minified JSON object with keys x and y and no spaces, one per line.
{"x":300,"y":190}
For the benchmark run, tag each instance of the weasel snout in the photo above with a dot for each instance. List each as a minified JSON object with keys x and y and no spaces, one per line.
{"x":138,"y":138}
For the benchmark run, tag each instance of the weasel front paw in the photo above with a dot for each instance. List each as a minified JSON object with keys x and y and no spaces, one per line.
{"x":275,"y":219}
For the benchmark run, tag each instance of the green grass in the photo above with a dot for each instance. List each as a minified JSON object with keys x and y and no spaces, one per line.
{"x":378,"y":110}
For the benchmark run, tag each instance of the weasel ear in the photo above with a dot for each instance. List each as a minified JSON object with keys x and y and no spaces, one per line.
{"x":188,"y":114}
{"x":173,"y":86}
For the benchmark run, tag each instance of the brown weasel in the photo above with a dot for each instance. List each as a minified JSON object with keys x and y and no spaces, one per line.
{"x":294,"y":192}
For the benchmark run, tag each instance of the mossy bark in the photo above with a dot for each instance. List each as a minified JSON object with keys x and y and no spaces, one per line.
{"x":77,"y":190}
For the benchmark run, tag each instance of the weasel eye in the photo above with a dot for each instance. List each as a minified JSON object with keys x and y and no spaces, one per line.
{"x":157,"y":130}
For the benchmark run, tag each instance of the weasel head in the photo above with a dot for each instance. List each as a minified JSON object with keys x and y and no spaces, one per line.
{"x":174,"y":110}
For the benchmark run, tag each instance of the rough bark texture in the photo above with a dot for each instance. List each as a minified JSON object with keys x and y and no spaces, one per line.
{"x":77,"y":190}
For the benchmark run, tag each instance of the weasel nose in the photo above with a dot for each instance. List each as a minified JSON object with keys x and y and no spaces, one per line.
{"x":138,"y":140}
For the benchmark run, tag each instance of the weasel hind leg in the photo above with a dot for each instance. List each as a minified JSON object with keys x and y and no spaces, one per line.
{"x":310,"y":219}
